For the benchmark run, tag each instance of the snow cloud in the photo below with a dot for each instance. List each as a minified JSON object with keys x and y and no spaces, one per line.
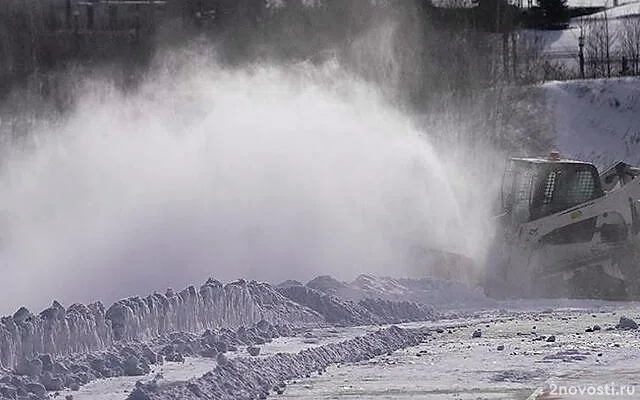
{"x":265,"y":172}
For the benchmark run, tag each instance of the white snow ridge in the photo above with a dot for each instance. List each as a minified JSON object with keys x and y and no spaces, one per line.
{"x":81,"y":328}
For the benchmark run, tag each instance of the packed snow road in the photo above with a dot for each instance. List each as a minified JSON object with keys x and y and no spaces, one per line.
{"x":559,"y":353}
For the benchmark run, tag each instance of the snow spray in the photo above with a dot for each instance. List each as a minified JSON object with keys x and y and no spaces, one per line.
{"x":262,"y":172}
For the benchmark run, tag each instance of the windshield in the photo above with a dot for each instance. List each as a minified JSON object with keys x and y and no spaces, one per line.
{"x":535,"y":190}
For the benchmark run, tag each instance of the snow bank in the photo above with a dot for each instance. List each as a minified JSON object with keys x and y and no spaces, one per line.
{"x":367,"y":311}
{"x":251,"y":378}
{"x":437,"y":293}
{"x":83,"y":329}
{"x":334,"y":310}
{"x":55,"y":330}
{"x":398,"y":311}
{"x":233,"y":305}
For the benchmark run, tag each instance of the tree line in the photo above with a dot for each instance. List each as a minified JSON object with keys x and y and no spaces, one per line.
{"x":420,"y":52}
{"x":417,"y":48}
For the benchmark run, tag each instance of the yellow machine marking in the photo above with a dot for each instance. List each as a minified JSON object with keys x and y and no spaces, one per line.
{"x":576,"y":214}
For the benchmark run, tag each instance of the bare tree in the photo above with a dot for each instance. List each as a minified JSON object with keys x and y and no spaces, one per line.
{"x":606,"y":48}
{"x":630,"y":44}
{"x":596,"y":46}
{"x":530,"y":47}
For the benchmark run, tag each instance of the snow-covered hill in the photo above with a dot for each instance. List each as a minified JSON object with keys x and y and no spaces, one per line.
{"x":596,"y":120}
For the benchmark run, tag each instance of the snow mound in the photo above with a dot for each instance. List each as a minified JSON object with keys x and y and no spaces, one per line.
{"x":398,"y":311}
{"x":82,"y":329}
{"x":516,"y":376}
{"x":251,"y":378}
{"x":333,"y":287}
{"x":379,"y":287}
{"x":433,"y":292}
{"x":325,"y":282}
{"x":368,"y":311}
{"x":290,"y":282}
{"x":569,"y":355}
{"x":333,"y":309}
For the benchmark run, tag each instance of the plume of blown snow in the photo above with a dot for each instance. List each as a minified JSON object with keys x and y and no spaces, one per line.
{"x":270,"y":173}
{"x":265,"y":171}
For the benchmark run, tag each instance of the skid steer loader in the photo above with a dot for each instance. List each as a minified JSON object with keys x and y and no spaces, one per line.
{"x":567,"y":231}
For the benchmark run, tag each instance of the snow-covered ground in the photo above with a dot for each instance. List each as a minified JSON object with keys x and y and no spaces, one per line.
{"x":512,"y":358}
{"x":596,"y":3}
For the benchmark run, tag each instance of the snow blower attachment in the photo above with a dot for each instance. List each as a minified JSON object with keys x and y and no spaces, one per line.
{"x":566,"y":231}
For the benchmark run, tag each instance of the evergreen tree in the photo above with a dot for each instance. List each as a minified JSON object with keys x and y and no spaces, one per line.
{"x":555,"y":11}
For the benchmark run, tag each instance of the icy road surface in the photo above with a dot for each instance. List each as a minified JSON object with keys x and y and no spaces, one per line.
{"x":512,"y":359}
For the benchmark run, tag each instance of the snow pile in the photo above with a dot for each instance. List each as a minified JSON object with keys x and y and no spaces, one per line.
{"x":384,"y":286}
{"x":368,"y":311}
{"x":251,"y":378}
{"x":437,"y":293}
{"x":331,"y":286}
{"x":83,"y":329}
{"x":235,"y":304}
{"x":56,"y":331}
{"x":333,"y":309}
{"x":426,"y":291}
{"x":398,"y":311}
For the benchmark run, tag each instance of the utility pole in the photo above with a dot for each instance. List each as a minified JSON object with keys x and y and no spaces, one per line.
{"x":606,"y":33}
{"x":505,"y":55}
{"x":152,"y":16}
{"x":67,"y":13}
{"x":581,"y":53}
{"x":514,"y":59}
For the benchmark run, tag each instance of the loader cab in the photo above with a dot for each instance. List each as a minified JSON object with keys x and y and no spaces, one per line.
{"x":534,"y":188}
